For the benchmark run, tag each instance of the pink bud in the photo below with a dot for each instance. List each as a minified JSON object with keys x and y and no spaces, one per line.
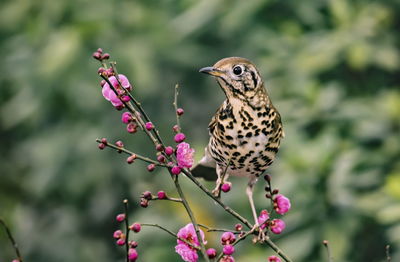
{"x":104,"y":140}
{"x":159,"y":147}
{"x":99,"y":50}
{"x":132,"y":254}
{"x":102,"y":82}
{"x":169,"y":150}
{"x":151,"y":167}
{"x":126,"y":117}
{"x":228,"y":249}
{"x":161,"y":158}
{"x":121,"y":242}
{"x":176,"y":170}
{"x":226,"y":187}
{"x":120,"y":217}
{"x":176,"y":128}
{"x":105,"y":56}
{"x":227,"y":238}
{"x":161,"y":195}
{"x":135,"y":227}
{"x":96,"y":55}
{"x":100,"y":71}
{"x":238,"y":227}
{"x":144,"y":203}
{"x":179,"y":111}
{"x":119,"y":144}
{"x":15,"y":260}
{"x":133,"y":244}
{"x":101,"y":146}
{"x":126,"y":99}
{"x":267,"y":178}
{"x":131,"y":128}
{"x":180,"y":137}
{"x":131,"y":159}
{"x":117,"y":234}
{"x":211,"y":253}
{"x":147,"y":195}
{"x":281,"y":204}
{"x":149,"y":126}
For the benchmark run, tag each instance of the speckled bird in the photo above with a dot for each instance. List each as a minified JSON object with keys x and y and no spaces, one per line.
{"x":246,"y":130}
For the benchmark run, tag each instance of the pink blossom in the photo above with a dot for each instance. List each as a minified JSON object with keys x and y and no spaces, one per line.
{"x":264,"y":216}
{"x":110,"y":95}
{"x":184,"y":155}
{"x":277,"y":226}
{"x":227,"y":238}
{"x":149,"y":126}
{"x":161,"y":195}
{"x":188,"y":253}
{"x":226,"y":187}
{"x":274,"y":259}
{"x":117,"y":234}
{"x":169,"y":150}
{"x":120,"y":217}
{"x":281,"y":204}
{"x":121,"y":241}
{"x":136,"y":227}
{"x":151,"y":167}
{"x":176,"y":170}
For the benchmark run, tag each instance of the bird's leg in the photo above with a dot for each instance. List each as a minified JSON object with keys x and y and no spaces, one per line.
{"x":249,"y":192}
{"x":222,"y":177}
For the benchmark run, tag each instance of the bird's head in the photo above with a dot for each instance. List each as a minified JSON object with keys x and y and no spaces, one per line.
{"x":237,"y":76}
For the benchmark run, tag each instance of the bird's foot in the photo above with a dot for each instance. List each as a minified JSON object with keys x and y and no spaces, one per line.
{"x":217,"y":191}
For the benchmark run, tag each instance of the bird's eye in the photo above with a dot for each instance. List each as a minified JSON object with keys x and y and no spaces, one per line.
{"x":237,"y":70}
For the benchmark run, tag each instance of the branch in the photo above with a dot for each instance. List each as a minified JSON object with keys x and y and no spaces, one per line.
{"x":12,"y":240}
{"x":126,"y":229}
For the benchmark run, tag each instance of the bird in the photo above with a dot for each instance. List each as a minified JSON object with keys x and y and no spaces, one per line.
{"x":246,"y":130}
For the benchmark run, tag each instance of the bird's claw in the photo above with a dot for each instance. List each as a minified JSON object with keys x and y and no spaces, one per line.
{"x":262,"y":235}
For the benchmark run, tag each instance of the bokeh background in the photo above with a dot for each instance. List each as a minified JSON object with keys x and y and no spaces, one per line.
{"x":332,"y":70}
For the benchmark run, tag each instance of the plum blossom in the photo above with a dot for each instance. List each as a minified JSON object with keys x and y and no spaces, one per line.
{"x":277,"y":226}
{"x":281,"y":204}
{"x":264,"y":216}
{"x":184,"y":155}
{"x":110,"y":95}
{"x":188,"y":253}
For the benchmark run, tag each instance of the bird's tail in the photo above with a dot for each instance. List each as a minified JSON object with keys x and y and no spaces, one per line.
{"x":206,"y":172}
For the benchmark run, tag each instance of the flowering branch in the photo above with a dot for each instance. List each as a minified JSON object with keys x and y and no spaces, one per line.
{"x":12,"y":240}
{"x":116,"y":89}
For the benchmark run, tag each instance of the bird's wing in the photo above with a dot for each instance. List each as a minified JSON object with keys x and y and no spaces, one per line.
{"x":206,"y":168}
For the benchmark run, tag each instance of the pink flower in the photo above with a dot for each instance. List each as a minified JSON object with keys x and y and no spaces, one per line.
{"x":226,"y":187}
{"x":110,"y":95}
{"x":120,"y":217}
{"x":169,"y":150}
{"x":149,"y":126}
{"x":281,"y":204}
{"x":161,"y":195}
{"x":176,"y":170}
{"x":264,"y":216}
{"x":277,"y":226}
{"x":136,"y":227}
{"x":227,"y":238}
{"x":274,"y":259}
{"x":188,"y":253}
{"x":184,"y":155}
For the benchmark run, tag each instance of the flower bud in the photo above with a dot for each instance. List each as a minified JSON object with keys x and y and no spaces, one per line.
{"x":161,"y":158}
{"x":135,"y":227}
{"x":227,"y":238}
{"x":126,"y":99}
{"x":180,"y":111}
{"x":238,"y":227}
{"x":176,"y":128}
{"x":159,"y":148}
{"x":180,"y":137}
{"x":151,"y":167}
{"x":119,"y":144}
{"x":117,"y":234}
{"x":211,"y":253}
{"x":126,"y":117}
{"x":120,"y":217}
{"x":131,"y":128}
{"x":132,"y":254}
{"x":161,"y":195}
{"x":101,"y":146}
{"x":149,"y":126}
{"x":226,"y":187}
{"x":228,"y":250}
{"x":131,"y":159}
{"x":274,"y":259}
{"x":96,"y":55}
{"x":133,"y":244}
{"x":121,"y":241}
{"x":176,"y":170}
{"x":147,"y":195}
{"x":105,"y":56}
{"x":277,"y":226}
{"x":99,"y":50}
{"x":144,"y":203}
{"x":169,"y":150}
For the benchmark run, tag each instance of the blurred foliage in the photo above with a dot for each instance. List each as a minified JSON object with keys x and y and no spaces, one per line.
{"x":331,"y":67}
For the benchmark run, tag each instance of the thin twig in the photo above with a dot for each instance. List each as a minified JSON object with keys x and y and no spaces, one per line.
{"x":168,"y":199}
{"x":191,"y":216}
{"x":126,"y":229}
{"x":171,"y":233}
{"x":126,"y":151}
{"x":328,"y":250}
{"x":209,"y":229}
{"x":176,"y":106}
{"x":12,"y":240}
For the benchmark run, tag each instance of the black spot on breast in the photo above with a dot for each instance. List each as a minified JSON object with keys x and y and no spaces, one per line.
{"x":240,"y":136}
{"x":229,"y":137}
{"x":243,"y":143}
{"x":257,"y":144}
{"x":236,"y":153}
{"x":249,"y":134}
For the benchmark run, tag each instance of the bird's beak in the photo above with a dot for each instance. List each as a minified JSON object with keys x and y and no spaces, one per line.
{"x":211,"y":71}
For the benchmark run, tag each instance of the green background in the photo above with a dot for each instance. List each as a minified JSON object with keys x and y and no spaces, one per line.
{"x":331,"y":68}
